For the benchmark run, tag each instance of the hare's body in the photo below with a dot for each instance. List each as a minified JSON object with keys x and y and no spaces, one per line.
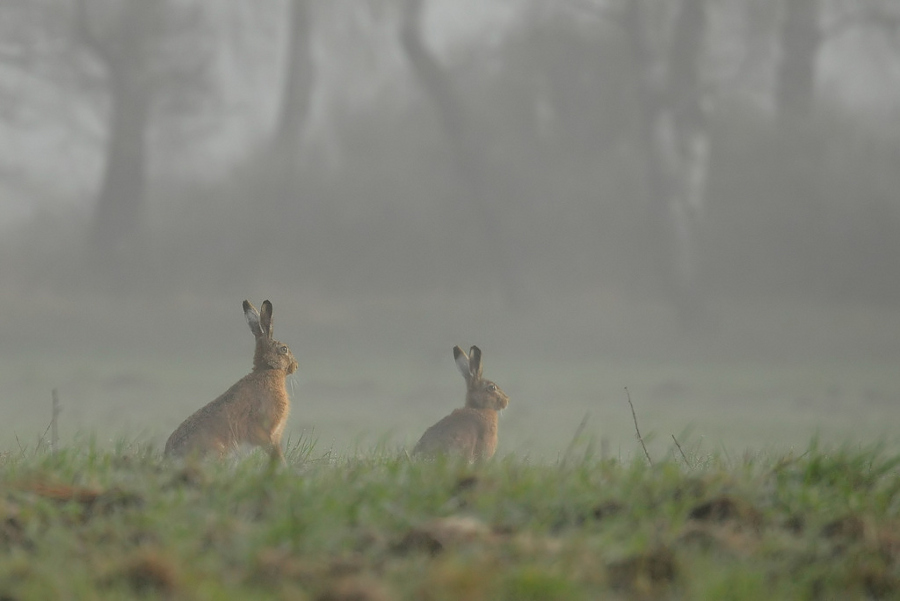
{"x":230,"y":420}
{"x":470,"y":432}
{"x":253,"y":411}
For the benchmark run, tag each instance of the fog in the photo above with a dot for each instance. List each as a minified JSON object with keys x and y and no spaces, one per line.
{"x":696,"y":201}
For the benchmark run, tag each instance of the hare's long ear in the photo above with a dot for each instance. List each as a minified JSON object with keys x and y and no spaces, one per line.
{"x":253,"y":319}
{"x":265,"y":319}
{"x":462,"y":362}
{"x":475,"y":362}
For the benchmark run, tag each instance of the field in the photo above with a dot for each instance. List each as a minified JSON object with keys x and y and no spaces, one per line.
{"x":768,"y":379}
{"x":756,"y":333}
{"x":774,"y":458}
{"x":122,"y":523}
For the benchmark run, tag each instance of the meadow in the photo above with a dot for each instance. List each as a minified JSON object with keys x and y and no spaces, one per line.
{"x":93,"y":523}
{"x":774,"y":463}
{"x":767,"y":379}
{"x":754,"y":488}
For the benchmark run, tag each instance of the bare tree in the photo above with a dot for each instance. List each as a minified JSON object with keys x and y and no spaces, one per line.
{"x":666,"y":50}
{"x":295,"y":95}
{"x":437,"y":85}
{"x":121,"y":43}
{"x":137,"y":46}
{"x":801,"y":37}
{"x":805,"y":30}
{"x":470,"y":161}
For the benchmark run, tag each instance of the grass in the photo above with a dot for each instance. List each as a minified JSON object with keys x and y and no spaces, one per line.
{"x":91,"y":522}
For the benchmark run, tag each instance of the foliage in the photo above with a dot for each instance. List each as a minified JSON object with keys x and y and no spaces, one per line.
{"x":86,"y":523}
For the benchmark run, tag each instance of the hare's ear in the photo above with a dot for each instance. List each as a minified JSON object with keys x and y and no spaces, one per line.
{"x":252,"y":318}
{"x":462,"y":362}
{"x":475,"y":362}
{"x":265,"y":319}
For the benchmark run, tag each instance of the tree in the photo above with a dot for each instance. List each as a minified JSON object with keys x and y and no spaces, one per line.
{"x":673,"y":136}
{"x":126,"y":57}
{"x":801,"y":38}
{"x":133,"y":42}
{"x":121,"y":43}
{"x":470,"y":161}
{"x":804,"y":31}
{"x":298,"y":81}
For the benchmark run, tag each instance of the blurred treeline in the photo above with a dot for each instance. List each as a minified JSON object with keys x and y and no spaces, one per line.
{"x":402,"y":147}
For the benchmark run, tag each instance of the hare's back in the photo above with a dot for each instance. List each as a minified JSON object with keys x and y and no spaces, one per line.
{"x":189,"y":437}
{"x":459,"y":432}
{"x":212,"y":427}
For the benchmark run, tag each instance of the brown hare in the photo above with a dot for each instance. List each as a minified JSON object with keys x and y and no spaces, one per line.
{"x":254,"y":411}
{"x":470,"y":432}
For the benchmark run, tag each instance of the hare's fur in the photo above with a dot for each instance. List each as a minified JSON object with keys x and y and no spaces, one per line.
{"x":470,"y":432}
{"x":254,"y":411}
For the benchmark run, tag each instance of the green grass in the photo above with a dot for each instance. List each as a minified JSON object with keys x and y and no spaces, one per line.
{"x":98,"y":523}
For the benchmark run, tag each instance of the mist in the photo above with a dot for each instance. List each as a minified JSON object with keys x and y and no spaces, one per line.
{"x":696,"y":201}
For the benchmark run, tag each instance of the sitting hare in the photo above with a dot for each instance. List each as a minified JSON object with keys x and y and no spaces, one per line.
{"x":254,"y":411}
{"x":471,"y":431}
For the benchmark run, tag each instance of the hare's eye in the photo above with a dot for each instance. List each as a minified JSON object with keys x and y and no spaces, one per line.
{"x":492,"y":387}
{"x":282,"y":349}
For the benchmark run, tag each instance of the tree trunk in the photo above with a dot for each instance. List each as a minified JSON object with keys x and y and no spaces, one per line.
{"x":675,"y":145}
{"x":117,"y":217}
{"x":440,"y":91}
{"x":801,"y":38}
{"x":469,"y":159}
{"x":297,"y":85}
{"x":122,"y":48}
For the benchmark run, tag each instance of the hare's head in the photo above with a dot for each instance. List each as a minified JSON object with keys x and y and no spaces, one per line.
{"x":480,"y":393}
{"x":270,"y":353}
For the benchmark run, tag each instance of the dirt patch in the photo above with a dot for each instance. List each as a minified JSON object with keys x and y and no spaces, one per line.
{"x":355,"y":589}
{"x":727,"y":509}
{"x":147,"y":571}
{"x":435,"y":536}
{"x":646,"y":574}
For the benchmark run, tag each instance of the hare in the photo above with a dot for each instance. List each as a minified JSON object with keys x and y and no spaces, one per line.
{"x":254,"y":411}
{"x":470,"y":432}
